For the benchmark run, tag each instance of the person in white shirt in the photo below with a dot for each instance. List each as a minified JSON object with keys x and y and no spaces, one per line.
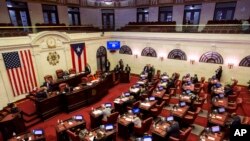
{"x":105,"y":112}
{"x":137,"y":121}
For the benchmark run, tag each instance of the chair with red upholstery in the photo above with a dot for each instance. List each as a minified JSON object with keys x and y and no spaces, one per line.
{"x":145,"y":126}
{"x":62,"y":86}
{"x":232,"y":98}
{"x":72,"y":71}
{"x":157,"y":109}
{"x":231,"y":107}
{"x":72,"y":136}
{"x":245,"y":120}
{"x":190,"y":117}
{"x":59,"y":74}
{"x":111,"y":119}
{"x":183,"y":136}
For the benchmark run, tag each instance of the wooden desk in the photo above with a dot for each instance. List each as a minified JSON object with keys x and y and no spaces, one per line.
{"x":124,"y":77}
{"x":125,"y":126}
{"x":185,"y":98}
{"x":180,"y":112}
{"x":29,"y":136}
{"x":218,"y":119}
{"x":159,"y":131}
{"x":12,"y":123}
{"x":50,"y":106}
{"x":221,"y":102}
{"x":72,"y":81}
{"x":212,"y":136}
{"x":159,"y":94}
{"x":146,"y":106}
{"x":121,"y":104}
{"x":105,"y":135}
{"x":96,"y":118}
{"x":68,"y":124}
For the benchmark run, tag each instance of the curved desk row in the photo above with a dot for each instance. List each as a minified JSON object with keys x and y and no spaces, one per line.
{"x":75,"y":99}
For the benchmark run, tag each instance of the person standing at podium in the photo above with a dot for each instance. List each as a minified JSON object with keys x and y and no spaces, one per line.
{"x":121,"y":65}
{"x":107,"y":66}
{"x":87,"y":68}
{"x":47,"y":85}
{"x":127,"y":69}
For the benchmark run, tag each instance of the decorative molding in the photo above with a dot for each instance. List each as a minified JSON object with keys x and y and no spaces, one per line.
{"x":53,"y":58}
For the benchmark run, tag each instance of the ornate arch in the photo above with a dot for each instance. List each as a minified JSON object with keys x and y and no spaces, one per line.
{"x":101,"y":51}
{"x":125,"y":50}
{"x":212,"y":57}
{"x":148,"y":51}
{"x":245,"y":62}
{"x":177,"y":54}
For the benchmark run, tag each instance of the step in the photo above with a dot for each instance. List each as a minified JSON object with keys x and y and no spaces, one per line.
{"x":33,"y":122}
{"x":28,"y":118}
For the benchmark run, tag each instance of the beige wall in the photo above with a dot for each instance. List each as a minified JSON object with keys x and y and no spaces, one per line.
{"x":4,"y":14}
{"x":91,"y":16}
{"x":242,"y":10}
{"x":178,"y":12}
{"x":63,"y":14}
{"x":207,"y":13}
{"x":124,"y":15}
{"x":36,"y":13}
{"x":153,"y":14}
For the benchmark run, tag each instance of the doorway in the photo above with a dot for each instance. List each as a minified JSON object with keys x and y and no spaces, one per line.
{"x":108,"y":19}
{"x":101,"y":57}
{"x":191,"y":17}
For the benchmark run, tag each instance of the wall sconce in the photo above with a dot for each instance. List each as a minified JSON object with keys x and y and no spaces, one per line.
{"x":192,"y":61}
{"x":136,"y":56}
{"x":161,"y":58}
{"x":230,"y":65}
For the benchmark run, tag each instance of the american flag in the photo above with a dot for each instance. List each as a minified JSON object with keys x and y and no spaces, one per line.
{"x":78,"y":55}
{"x":20,"y":70}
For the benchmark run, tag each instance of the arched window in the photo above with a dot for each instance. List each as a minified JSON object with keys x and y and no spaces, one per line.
{"x":211,"y":57}
{"x":148,"y":51}
{"x":101,"y":51}
{"x":245,"y":62}
{"x":177,"y":54}
{"x":101,"y":57}
{"x":125,"y":50}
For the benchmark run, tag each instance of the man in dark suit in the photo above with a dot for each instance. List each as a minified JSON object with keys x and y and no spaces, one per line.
{"x":121,"y":65}
{"x":127,"y":69}
{"x":47,"y":85}
{"x":236,"y":121}
{"x":107,"y":66}
{"x":87,"y":68}
{"x":173,"y":130}
{"x":150,"y":73}
{"x":218,"y":73}
{"x":146,"y":69}
{"x":195,"y":79}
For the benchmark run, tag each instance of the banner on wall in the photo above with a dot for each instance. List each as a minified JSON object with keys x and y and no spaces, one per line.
{"x":20,"y":70}
{"x":78,"y":56}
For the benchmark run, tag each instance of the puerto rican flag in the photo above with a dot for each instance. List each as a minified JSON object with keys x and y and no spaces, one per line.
{"x":78,"y":55}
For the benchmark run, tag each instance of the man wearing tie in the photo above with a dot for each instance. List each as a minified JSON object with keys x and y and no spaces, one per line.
{"x":47,"y":85}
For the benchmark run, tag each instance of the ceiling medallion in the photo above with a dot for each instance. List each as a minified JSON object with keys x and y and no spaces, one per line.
{"x":53,"y":58}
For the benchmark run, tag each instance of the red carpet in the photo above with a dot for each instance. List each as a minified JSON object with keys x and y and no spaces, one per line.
{"x":27,"y":106}
{"x":49,"y":125}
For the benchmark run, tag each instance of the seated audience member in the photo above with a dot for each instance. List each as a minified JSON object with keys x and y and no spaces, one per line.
{"x":195,"y":79}
{"x":173,"y":130}
{"x":67,"y":89}
{"x":13,"y":108}
{"x":228,"y":90}
{"x":106,"y":111}
{"x":188,"y":86}
{"x":186,"y":78}
{"x":91,"y":77}
{"x":87,"y":68}
{"x":47,"y":85}
{"x":146,"y":69}
{"x":127,"y":69}
{"x":170,"y":84}
{"x":235,"y":120}
{"x":137,"y":121}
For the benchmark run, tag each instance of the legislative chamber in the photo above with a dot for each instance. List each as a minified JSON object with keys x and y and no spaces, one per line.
{"x":124,"y":70}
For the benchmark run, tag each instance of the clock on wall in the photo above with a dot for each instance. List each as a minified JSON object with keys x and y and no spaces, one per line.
{"x":51,"y":42}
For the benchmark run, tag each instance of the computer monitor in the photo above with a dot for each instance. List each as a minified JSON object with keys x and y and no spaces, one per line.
{"x":188,"y":92}
{"x":164,"y":80}
{"x":127,"y":94}
{"x":160,"y":88}
{"x":109,"y":127}
{"x":151,"y":98}
{"x":215,"y":129}
{"x":108,"y":105}
{"x":137,"y":85}
{"x":37,"y":132}
{"x":147,"y":138}
{"x":170,"y":118}
{"x":136,"y":110}
{"x":182,"y":104}
{"x":221,"y":95}
{"x":221,"y":110}
{"x":78,"y":117}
